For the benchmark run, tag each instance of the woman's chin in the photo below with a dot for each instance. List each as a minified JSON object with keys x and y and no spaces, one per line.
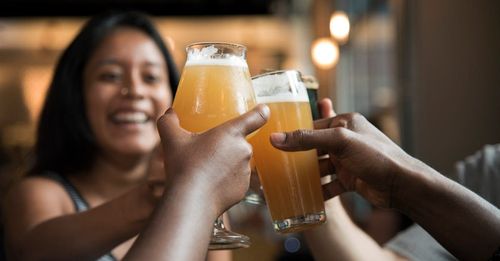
{"x":134,"y":149}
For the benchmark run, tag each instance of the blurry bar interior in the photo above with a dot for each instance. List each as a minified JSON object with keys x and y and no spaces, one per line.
{"x":426,"y":72}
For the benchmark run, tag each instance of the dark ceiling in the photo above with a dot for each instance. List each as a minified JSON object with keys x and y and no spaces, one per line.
{"x":28,"y":8}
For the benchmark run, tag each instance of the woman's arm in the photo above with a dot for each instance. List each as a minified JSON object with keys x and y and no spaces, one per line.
{"x":40,"y":223}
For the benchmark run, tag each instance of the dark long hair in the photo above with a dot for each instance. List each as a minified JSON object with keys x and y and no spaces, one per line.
{"x":65,"y":143}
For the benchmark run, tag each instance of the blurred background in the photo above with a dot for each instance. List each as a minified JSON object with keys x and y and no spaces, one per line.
{"x":426,"y":72}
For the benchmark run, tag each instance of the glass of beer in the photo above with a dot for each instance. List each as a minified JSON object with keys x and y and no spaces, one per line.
{"x":215,"y":87}
{"x":291,"y":180}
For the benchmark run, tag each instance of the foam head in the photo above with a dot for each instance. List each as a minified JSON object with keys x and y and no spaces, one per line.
{"x":216,"y":54}
{"x":279,"y":86}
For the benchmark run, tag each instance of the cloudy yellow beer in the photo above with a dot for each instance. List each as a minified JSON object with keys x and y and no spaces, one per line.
{"x":290,"y":180}
{"x":211,"y":92}
{"x":215,"y":87}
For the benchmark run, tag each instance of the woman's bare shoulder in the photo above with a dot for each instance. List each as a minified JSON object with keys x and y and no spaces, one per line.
{"x":30,"y":202}
{"x":37,"y":185}
{"x":38,"y":194}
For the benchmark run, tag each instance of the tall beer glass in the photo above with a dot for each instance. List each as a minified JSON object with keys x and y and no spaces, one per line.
{"x":215,"y":86}
{"x":291,"y":180}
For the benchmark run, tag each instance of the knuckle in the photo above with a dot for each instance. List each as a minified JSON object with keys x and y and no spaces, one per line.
{"x":299,"y":136}
{"x":248,"y":151}
{"x":343,"y":139}
{"x":357,"y":117}
{"x":351,"y":120}
{"x":234,"y":130}
{"x":341,"y":133}
{"x":350,"y":116}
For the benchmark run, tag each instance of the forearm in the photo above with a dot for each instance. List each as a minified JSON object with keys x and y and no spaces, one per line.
{"x":179,"y":229}
{"x":83,"y":236}
{"x":341,"y":239}
{"x":465,"y":224}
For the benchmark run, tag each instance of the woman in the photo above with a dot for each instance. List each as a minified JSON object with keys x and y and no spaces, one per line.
{"x":95,"y":143}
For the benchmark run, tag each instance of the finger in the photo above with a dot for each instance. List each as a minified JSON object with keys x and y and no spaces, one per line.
{"x":326,"y":167}
{"x":250,"y":121}
{"x":333,"y":189}
{"x":325,"y":108}
{"x":169,"y":128}
{"x":346,"y":120}
{"x":322,"y":123}
{"x":333,"y":140}
{"x":341,"y":120}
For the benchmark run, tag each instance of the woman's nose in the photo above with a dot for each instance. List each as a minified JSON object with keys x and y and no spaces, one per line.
{"x":134,"y":88}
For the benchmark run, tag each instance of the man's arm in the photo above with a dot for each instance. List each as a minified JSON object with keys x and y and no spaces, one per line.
{"x":208,"y":172}
{"x":341,"y":239}
{"x":464,"y":223}
{"x":366,"y":161}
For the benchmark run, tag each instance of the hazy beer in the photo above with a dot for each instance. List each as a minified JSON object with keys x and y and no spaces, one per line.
{"x":290,"y":180}
{"x":212,"y":91}
{"x":215,"y":86}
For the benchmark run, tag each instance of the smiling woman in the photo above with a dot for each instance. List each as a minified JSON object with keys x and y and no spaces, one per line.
{"x":95,"y":175}
{"x":125,"y":90}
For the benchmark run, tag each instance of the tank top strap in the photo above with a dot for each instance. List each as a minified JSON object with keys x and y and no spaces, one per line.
{"x":78,"y":201}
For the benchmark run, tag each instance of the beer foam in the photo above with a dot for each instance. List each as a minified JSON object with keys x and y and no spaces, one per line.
{"x":229,"y":61}
{"x":277,"y":88}
{"x":210,"y":56}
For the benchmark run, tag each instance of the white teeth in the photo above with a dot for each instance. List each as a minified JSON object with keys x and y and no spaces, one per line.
{"x":130,"y":117}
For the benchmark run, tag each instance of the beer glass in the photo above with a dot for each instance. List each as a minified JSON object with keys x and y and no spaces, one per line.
{"x":291,"y":180}
{"x":312,"y":86}
{"x":215,"y":86}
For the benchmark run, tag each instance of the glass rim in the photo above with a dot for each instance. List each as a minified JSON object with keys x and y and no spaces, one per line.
{"x":276,"y":72}
{"x":240,"y":46}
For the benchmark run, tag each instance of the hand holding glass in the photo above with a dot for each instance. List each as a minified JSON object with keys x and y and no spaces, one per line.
{"x":291,"y":180}
{"x":215,"y":87}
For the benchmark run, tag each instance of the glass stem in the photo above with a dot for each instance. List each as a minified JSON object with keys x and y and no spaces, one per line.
{"x":219,"y":224}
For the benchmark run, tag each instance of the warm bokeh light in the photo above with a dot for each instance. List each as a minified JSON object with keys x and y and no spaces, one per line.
{"x":339,"y":26}
{"x":325,"y":53}
{"x":36,"y":80}
{"x":170,"y":43}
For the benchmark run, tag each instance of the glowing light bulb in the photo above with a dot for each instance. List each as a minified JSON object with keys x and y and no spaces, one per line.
{"x":325,"y":53}
{"x":340,"y":26}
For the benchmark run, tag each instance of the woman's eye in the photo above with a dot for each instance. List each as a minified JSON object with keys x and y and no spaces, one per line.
{"x":151,"y":78}
{"x":110,"y":77}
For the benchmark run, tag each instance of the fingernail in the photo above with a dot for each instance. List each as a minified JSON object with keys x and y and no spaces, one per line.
{"x":278,"y":137}
{"x":266,"y":111}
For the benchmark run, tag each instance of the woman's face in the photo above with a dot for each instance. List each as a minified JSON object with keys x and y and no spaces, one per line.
{"x":126,"y":89}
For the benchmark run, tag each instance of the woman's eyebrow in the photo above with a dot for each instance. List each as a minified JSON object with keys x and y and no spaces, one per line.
{"x":109,"y":61}
{"x":150,"y":63}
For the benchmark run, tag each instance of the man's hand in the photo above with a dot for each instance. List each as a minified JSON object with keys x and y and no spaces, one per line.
{"x":215,"y":161}
{"x":362,"y":157}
